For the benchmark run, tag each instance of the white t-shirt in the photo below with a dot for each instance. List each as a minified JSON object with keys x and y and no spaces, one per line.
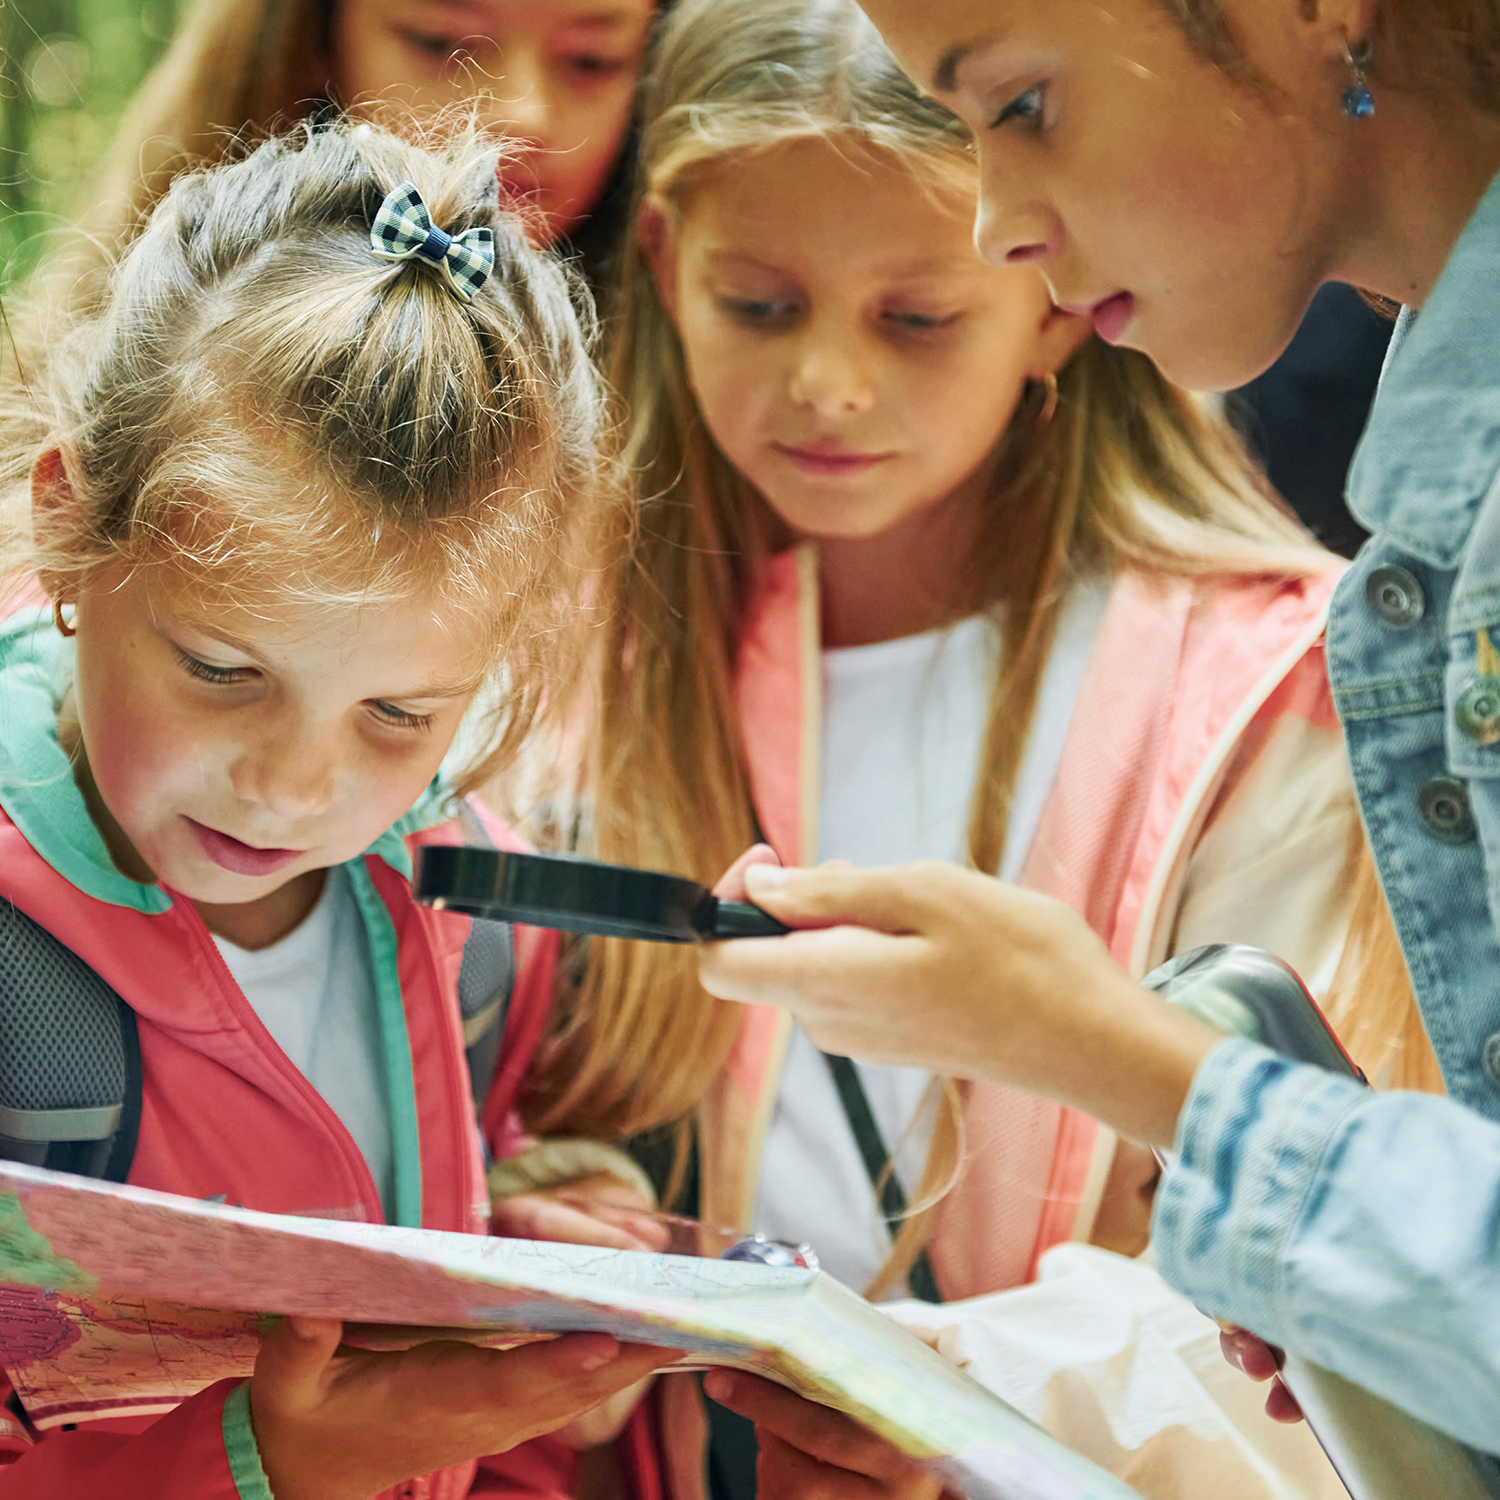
{"x":903,"y":730}
{"x":314,"y":991}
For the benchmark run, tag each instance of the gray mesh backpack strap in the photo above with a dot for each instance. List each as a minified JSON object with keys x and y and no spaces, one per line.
{"x":70,"y":1058}
{"x":485,"y":979}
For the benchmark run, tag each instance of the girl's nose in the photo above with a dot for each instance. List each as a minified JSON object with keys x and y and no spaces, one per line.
{"x":1011,"y":236}
{"x":291,"y":771}
{"x":832,"y":375}
{"x":520,"y":101}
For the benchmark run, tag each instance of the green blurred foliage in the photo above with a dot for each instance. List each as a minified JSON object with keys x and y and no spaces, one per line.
{"x":67,"y":69}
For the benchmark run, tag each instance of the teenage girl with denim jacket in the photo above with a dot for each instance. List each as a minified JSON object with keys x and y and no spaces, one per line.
{"x":1188,"y":175}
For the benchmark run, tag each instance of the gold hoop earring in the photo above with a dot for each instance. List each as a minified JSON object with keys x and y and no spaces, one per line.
{"x":63,"y":628}
{"x":1048,"y":408}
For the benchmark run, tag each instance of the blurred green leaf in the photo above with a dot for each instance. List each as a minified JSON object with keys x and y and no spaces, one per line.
{"x":67,"y":70}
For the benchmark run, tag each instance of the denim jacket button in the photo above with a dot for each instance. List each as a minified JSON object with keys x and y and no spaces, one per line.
{"x":1490,"y":1056}
{"x":1444,"y":805}
{"x":1395,"y":595}
{"x":1477,"y":712}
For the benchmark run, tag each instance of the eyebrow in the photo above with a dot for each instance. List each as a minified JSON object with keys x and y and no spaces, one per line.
{"x":442,"y":688}
{"x":945,"y":75}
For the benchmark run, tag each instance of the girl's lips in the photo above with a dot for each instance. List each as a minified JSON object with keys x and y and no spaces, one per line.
{"x":830,"y":461}
{"x":1112,"y":316}
{"x":239,"y":858}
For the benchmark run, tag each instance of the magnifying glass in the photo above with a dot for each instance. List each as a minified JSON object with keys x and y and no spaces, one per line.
{"x":581,"y":895}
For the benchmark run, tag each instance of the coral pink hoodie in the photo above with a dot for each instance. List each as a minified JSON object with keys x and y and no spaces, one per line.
{"x":1187,"y":678}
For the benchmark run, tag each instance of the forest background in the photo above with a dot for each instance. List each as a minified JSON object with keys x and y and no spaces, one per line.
{"x":67,"y":68}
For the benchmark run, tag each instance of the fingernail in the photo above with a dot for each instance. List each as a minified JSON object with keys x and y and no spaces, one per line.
{"x":765,"y":880}
{"x":594,"y":1362}
{"x":719,"y":1384}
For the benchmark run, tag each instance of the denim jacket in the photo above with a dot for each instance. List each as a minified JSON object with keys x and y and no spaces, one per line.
{"x":1364,"y":1230}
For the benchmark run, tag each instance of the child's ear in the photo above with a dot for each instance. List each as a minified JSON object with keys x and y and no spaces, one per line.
{"x":56,"y":510}
{"x":656,"y":233}
{"x":1060,"y":337}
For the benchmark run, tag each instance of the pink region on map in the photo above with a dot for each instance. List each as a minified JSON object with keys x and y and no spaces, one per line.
{"x":34,"y":1326}
{"x":222,"y":1263}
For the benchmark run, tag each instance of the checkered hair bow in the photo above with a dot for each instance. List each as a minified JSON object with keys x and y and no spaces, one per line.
{"x":403,"y":228}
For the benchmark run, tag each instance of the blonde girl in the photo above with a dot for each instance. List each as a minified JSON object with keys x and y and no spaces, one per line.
{"x":924,"y":569}
{"x":555,"y":76}
{"x":301,"y":487}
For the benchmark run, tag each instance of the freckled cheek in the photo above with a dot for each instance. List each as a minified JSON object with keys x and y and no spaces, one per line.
{"x":146,"y":764}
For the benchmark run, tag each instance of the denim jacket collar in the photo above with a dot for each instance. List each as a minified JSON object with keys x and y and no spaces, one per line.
{"x":1431,"y":451}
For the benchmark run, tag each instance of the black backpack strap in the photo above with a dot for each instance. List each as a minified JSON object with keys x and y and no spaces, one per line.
{"x":70,"y":1058}
{"x":485,"y":978}
{"x":882,"y":1173}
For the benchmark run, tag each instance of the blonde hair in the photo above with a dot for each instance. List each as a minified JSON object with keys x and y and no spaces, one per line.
{"x":267,"y":406}
{"x":1130,"y":472}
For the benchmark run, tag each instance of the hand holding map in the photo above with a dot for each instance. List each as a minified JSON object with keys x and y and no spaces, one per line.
{"x":119,"y":1300}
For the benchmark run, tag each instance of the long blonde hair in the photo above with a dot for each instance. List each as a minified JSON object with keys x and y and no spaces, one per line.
{"x":265,"y":405}
{"x":1130,"y":472}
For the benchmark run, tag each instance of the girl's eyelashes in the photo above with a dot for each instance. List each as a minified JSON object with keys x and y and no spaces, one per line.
{"x":438,"y":48}
{"x":1026,"y":107}
{"x":206,"y":672}
{"x":591,"y":65}
{"x":390,"y":715}
{"x":919,"y":322}
{"x":400,"y":718}
{"x":758,"y":310}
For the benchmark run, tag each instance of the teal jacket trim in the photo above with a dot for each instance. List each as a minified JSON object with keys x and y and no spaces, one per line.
{"x":37,"y":789}
{"x":401,"y":1089}
{"x":240,"y":1447}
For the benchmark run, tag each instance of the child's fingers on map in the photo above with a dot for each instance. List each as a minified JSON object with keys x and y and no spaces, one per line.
{"x":812,"y":1452}
{"x":537,"y":1216}
{"x":576,"y":1217}
{"x":345,"y":1425}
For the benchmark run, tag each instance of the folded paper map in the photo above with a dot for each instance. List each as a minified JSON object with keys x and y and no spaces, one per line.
{"x":117,"y":1300}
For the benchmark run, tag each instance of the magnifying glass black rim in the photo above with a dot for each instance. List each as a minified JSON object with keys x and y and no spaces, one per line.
{"x":580,"y":895}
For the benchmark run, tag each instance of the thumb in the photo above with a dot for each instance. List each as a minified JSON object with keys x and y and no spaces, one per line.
{"x":294,"y":1355}
{"x":893,"y":900}
{"x":731,"y":884}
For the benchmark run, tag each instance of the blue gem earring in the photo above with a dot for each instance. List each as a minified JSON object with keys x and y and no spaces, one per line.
{"x":1358,"y":101}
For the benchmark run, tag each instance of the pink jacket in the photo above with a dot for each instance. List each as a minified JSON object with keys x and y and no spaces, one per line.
{"x":213,"y":1081}
{"x":1188,"y":683}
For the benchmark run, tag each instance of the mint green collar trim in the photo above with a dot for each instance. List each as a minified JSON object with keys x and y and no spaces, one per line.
{"x":37,"y":789}
{"x":431,"y":808}
{"x":245,"y":1467}
{"x":401,"y":1090}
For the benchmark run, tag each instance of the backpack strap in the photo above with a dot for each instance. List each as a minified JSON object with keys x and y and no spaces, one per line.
{"x":486,"y":979}
{"x":70,"y":1058}
{"x":70,"y":1052}
{"x":880,"y":1168}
